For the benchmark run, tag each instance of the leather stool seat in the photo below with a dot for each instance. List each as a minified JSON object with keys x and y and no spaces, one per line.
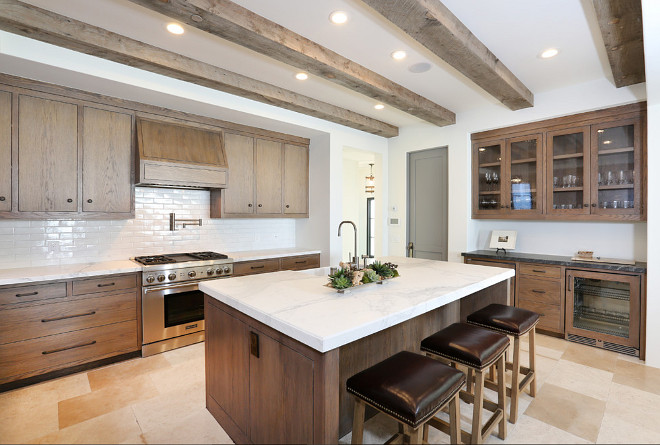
{"x":507,"y":319}
{"x":467,"y":344}
{"x":407,"y":386}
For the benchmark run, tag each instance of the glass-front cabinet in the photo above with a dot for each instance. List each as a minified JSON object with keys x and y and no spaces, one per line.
{"x":524,"y":164}
{"x":568,"y":163}
{"x":488,"y":177}
{"x":603,"y":308}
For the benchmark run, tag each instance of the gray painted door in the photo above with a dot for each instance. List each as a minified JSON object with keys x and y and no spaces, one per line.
{"x":427,"y":203}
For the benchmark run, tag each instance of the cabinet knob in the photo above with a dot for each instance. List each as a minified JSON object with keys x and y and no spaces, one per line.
{"x":89,"y":201}
{"x":69,"y":200}
{"x":2,"y":198}
{"x":586,"y":204}
{"x":502,"y":206}
{"x":259,"y":205}
{"x":593,"y":205}
{"x":249,"y":205}
{"x":287,"y":206}
{"x":507,"y":207}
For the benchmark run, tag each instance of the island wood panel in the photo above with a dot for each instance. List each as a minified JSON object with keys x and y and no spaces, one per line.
{"x":5,"y":151}
{"x":296,"y":179}
{"x":268,"y":173}
{"x":500,"y":293}
{"x":107,"y":151}
{"x":47,"y":155}
{"x":239,"y":196}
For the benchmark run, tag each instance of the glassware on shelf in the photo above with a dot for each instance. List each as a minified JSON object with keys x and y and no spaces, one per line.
{"x":628,"y":204}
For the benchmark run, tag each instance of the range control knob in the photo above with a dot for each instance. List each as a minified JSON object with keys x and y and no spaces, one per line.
{"x":161,"y":277}
{"x":209,"y":272}
{"x":218,"y":271}
{"x":171,"y":276}
{"x":150,"y":279}
{"x":192,"y":274}
{"x":226,"y":269}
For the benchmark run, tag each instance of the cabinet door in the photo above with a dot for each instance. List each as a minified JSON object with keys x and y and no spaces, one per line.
{"x":5,"y":151}
{"x":487,"y":177}
{"x":568,"y":175}
{"x":239,"y":196}
{"x":281,"y":394}
{"x":47,"y":155}
{"x":269,"y":176}
{"x":106,"y":173}
{"x":524,"y":176}
{"x":616,"y":181}
{"x":228,"y":363}
{"x":296,"y":179}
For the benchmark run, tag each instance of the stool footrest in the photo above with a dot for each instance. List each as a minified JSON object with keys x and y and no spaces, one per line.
{"x":444,"y":427}
{"x":488,"y":404}
{"x":523,"y":369}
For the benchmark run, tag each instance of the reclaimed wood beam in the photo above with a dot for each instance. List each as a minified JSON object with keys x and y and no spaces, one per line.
{"x":433,"y":25}
{"x":39,"y":24}
{"x":239,"y":25}
{"x":620,"y":23}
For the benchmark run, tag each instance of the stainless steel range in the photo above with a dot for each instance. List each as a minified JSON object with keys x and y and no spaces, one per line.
{"x":172,"y":304}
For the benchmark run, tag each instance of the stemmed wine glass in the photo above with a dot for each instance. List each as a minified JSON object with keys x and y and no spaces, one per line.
{"x":489,"y":180}
{"x":496,"y":179}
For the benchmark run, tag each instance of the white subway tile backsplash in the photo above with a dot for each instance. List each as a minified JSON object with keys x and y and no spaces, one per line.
{"x":42,"y":243}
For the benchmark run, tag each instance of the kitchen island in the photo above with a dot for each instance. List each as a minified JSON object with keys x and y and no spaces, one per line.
{"x":280,"y":346}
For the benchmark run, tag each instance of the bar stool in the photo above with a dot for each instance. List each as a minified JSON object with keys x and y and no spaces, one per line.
{"x":411,"y":389}
{"x":476,"y":348}
{"x":516,"y":322}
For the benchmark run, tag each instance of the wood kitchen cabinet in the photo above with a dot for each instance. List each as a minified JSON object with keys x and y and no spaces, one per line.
{"x":296,"y":180}
{"x":239,"y":197}
{"x":5,"y":151}
{"x":582,"y":167}
{"x":268,"y":177}
{"x":298,"y":262}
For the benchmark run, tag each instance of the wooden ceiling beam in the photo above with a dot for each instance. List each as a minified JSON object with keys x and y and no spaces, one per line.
{"x":239,"y":25}
{"x":620,"y":23}
{"x":36,"y":23}
{"x":433,"y":25}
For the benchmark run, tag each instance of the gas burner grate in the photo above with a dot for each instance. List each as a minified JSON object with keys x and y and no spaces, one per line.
{"x":157,"y":259}
{"x":208,"y":256}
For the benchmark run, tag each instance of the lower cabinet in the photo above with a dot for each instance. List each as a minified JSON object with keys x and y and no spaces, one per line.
{"x":299,"y":262}
{"x":540,"y":290}
{"x":263,"y":386}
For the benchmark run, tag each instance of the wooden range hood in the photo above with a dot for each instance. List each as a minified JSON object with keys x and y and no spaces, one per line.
{"x":173,"y":153}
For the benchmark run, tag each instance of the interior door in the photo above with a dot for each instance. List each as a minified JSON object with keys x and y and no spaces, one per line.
{"x":269,"y":176}
{"x":427,"y":204}
{"x":5,"y":151}
{"x":239,"y":196}
{"x":47,"y":155}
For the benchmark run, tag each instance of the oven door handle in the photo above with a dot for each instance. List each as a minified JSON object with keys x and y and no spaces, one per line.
{"x":168,"y":286}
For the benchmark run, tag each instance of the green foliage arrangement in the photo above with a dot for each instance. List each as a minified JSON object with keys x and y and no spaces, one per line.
{"x":343,"y":278}
{"x":370,"y":276}
{"x":385,"y":270}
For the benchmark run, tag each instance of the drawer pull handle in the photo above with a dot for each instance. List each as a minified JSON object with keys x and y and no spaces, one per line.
{"x":541,"y":315}
{"x":106,"y":285}
{"x":538,"y":271}
{"x":538,"y":291}
{"x":254,"y":344}
{"x":257,"y":267}
{"x":47,"y":320}
{"x":301,"y":262}
{"x":53,"y":351}
{"x":27,"y":295}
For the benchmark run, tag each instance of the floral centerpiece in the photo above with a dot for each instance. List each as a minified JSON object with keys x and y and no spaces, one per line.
{"x":345,"y":277}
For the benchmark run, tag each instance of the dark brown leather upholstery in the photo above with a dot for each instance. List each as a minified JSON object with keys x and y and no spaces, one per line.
{"x":407,"y":386}
{"x":507,"y":319}
{"x":470,"y":345}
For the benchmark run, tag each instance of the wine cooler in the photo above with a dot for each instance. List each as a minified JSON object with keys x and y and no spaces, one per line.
{"x":602,"y":310}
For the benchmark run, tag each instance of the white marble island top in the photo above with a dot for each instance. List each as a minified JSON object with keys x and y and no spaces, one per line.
{"x":297,"y":304}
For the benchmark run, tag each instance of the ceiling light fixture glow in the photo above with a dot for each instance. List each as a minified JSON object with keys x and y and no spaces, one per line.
{"x":550,"y":52}
{"x":339,"y":17}
{"x":399,"y":55}
{"x":379,"y":106}
{"x":301,"y":76}
{"x":175,"y":28}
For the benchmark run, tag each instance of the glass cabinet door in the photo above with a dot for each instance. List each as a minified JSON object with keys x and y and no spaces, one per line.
{"x":568,"y":171}
{"x":616,"y":164}
{"x":524,"y":177}
{"x":488,"y":177}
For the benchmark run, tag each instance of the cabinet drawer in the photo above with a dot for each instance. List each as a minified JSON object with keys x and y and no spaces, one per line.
{"x":540,"y":270}
{"x":259,"y":266}
{"x":55,"y":318}
{"x":542,"y":291}
{"x":24,"y":294}
{"x":301,"y":262}
{"x":104,"y":284}
{"x":24,"y":358}
{"x":551,"y":318}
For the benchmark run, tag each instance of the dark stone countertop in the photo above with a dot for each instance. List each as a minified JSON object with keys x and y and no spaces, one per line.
{"x":639,"y":267}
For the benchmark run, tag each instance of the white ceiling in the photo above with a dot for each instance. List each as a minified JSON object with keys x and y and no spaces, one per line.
{"x":516,"y":31}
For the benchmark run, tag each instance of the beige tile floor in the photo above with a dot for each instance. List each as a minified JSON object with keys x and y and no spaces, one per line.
{"x":585,"y":395}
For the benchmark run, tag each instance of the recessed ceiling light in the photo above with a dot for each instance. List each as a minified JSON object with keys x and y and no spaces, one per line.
{"x":175,"y":28}
{"x":339,"y":17}
{"x":379,"y":106}
{"x":399,"y":55}
{"x":550,"y":52}
{"x":301,"y":76}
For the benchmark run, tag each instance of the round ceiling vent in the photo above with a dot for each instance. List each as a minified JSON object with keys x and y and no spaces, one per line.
{"x":421,"y":67}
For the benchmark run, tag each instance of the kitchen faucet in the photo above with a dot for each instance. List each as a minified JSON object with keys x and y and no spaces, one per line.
{"x":355,"y":258}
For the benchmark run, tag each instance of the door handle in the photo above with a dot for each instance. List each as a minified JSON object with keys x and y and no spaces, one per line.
{"x":254,"y":344}
{"x":570,"y":279}
{"x":410,"y":249}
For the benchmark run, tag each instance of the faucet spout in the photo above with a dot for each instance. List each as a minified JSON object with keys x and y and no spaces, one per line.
{"x":355,"y":261}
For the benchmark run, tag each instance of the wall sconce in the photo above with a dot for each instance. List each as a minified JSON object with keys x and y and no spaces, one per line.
{"x":369,"y":184}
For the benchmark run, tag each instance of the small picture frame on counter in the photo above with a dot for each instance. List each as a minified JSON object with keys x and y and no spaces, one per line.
{"x":503,"y":240}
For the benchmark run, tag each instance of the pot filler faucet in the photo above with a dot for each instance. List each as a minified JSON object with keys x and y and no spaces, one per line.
{"x":355,"y":258}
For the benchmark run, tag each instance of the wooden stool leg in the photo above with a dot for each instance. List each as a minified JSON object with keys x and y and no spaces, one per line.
{"x":532,"y":361}
{"x":425,"y":434}
{"x":454,"y":420}
{"x":412,"y":436}
{"x":501,"y":395}
{"x":478,"y":407}
{"x":515,"y":385}
{"x":358,"y":422}
{"x":470,"y":378}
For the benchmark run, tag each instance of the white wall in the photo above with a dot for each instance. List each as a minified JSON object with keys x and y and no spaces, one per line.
{"x":626,"y":240}
{"x":651,"y":20}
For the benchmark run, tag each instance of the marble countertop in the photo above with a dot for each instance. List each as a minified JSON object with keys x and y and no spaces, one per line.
{"x":638,"y":267}
{"x":250,"y":255}
{"x":298,"y":304}
{"x":47,"y":273}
